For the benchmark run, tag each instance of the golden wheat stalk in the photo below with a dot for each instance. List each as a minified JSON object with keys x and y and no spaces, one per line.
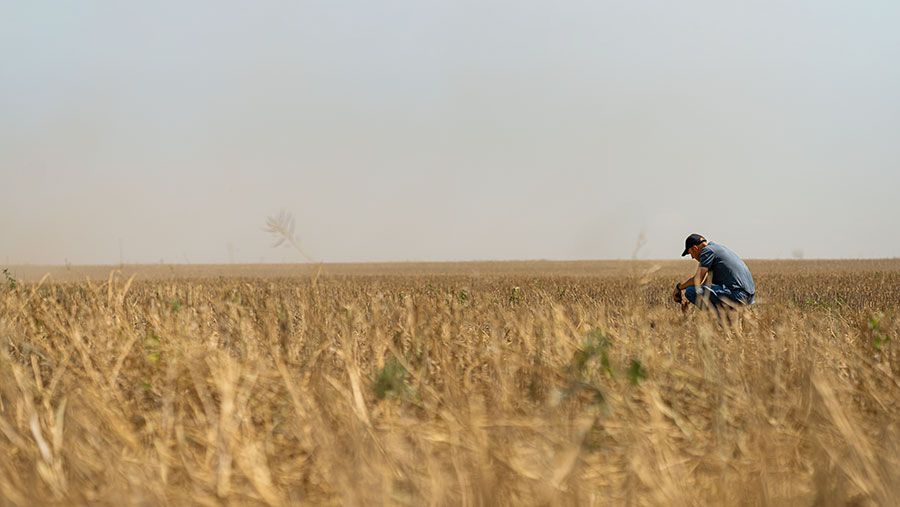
{"x":282,"y":227}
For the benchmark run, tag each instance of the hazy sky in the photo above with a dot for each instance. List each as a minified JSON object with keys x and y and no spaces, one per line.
{"x":447,"y":130}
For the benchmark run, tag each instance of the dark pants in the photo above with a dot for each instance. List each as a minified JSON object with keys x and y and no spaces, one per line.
{"x":717,"y":296}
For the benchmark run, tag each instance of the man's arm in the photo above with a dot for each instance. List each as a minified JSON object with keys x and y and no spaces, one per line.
{"x":698,"y":278}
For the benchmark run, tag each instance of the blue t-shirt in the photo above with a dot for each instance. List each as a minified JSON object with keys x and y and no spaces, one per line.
{"x":726,"y":268}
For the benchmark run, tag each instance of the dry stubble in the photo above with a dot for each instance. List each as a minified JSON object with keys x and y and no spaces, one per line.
{"x":498,"y":389}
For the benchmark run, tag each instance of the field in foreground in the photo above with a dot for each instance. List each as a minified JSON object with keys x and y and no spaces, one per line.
{"x":515,"y":386}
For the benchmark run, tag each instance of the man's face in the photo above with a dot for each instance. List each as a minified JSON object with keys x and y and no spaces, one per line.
{"x":695,"y":252}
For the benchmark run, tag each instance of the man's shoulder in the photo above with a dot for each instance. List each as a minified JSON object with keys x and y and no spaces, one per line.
{"x":711,"y":249}
{"x":721,"y":253}
{"x":713,"y":253}
{"x":715,"y":249}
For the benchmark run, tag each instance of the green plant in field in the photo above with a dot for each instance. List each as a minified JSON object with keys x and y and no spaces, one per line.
{"x":152,"y":349}
{"x":878,"y":334}
{"x":818,"y":305}
{"x":10,"y":280}
{"x":462,"y":296}
{"x":636,"y":372}
{"x":593,"y":349}
{"x":391,"y":380}
{"x":595,"y":345}
{"x":516,"y":295}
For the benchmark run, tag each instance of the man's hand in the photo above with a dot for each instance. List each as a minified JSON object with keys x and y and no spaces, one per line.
{"x":676,"y":296}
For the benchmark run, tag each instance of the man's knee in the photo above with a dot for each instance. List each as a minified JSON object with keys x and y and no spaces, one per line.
{"x":691,"y":294}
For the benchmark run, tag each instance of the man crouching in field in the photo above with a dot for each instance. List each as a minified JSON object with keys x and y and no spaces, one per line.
{"x":733,"y":283}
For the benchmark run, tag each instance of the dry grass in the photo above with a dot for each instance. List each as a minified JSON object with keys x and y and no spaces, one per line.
{"x":423,"y":389}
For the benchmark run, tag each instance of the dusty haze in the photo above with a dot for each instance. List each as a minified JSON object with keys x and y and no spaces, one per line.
{"x":433,"y":131}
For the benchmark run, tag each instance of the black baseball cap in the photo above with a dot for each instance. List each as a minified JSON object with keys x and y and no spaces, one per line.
{"x":692,"y":240}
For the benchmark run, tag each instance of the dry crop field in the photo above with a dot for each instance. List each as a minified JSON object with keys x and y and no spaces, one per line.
{"x":535,"y":383}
